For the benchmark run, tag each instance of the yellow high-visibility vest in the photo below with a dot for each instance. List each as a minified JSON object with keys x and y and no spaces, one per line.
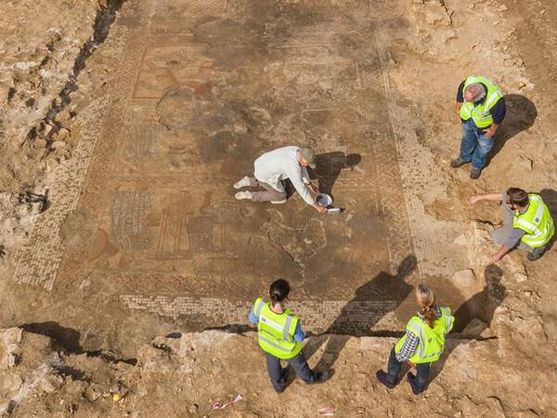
{"x":480,"y":113}
{"x":536,"y":222}
{"x":432,"y":340}
{"x":276,"y":331}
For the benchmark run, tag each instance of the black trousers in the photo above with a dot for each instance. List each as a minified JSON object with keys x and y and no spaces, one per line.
{"x":278,"y":374}
{"x":422,"y":372}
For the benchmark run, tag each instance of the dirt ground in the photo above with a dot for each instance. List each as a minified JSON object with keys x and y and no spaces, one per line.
{"x":123,"y":126}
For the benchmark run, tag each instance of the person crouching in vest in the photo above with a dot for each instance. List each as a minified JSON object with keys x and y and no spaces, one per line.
{"x":422,"y":344}
{"x":481,"y":108}
{"x":280,"y":336}
{"x":527,"y":223}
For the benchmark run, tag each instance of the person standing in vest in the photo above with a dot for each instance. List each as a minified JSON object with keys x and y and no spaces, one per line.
{"x":527,"y":223}
{"x":280,"y":336}
{"x":422,"y":344}
{"x":481,"y":108}
{"x":273,"y":168}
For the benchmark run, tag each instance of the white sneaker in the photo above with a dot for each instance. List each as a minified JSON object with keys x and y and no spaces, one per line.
{"x":243,"y":195}
{"x":278,"y":202}
{"x":242,"y":183}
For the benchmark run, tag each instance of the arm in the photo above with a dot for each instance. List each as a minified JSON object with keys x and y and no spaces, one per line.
{"x":493,"y":197}
{"x":457,"y":106}
{"x":493,"y":258}
{"x":299,"y":333}
{"x":252,"y":317}
{"x":459,"y":99}
{"x":490,"y":131}
{"x":307,"y":180}
{"x":510,"y":242}
{"x":498,"y":113}
{"x":297,"y":180}
{"x":408,"y":348}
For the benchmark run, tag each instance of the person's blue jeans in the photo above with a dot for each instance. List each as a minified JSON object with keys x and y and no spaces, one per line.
{"x":475,"y":146}
{"x":393,"y":370}
{"x":278,"y":374}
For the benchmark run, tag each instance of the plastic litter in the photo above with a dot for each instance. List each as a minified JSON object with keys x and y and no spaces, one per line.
{"x":327,"y":411}
{"x":222,"y":405}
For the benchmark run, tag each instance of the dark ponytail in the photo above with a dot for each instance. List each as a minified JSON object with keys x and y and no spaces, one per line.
{"x":279,"y":290}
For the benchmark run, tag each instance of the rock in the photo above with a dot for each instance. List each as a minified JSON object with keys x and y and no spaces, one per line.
{"x":62,"y":133}
{"x":63,"y":116}
{"x":58,"y":144}
{"x":47,"y":128}
{"x":11,"y":360}
{"x":93,"y":392}
{"x":464,"y":279}
{"x":51,"y":383}
{"x":10,"y":383}
{"x":503,"y":8}
{"x":12,"y":336}
{"x":520,"y":277}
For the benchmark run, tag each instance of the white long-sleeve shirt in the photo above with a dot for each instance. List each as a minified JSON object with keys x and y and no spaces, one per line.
{"x":281,"y":164}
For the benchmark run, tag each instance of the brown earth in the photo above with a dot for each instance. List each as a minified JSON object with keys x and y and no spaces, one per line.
{"x":134,"y":119}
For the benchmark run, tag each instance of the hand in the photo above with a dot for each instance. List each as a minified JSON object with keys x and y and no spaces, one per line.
{"x":320,"y":209}
{"x":489,"y":132}
{"x":493,"y":258}
{"x":475,"y":199}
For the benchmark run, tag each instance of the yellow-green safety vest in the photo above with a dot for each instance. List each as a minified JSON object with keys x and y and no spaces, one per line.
{"x":276,"y":331}
{"x":432,"y":340}
{"x":480,"y":113}
{"x":536,"y":222}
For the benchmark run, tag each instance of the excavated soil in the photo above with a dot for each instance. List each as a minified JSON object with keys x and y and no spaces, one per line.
{"x":123,"y":126}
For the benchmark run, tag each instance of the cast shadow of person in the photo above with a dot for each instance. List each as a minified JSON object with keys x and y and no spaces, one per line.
{"x":521,"y":115}
{"x":360,"y":314}
{"x":328,"y":168}
{"x":481,"y":307}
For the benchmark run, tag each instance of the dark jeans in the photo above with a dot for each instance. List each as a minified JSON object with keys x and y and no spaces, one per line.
{"x":394,"y":370}
{"x":475,"y":146}
{"x":278,"y":374}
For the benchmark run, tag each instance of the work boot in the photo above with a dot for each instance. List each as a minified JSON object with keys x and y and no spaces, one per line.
{"x":475,"y":173}
{"x":243,"y":195}
{"x":535,"y":254}
{"x":415,"y":390}
{"x":242,"y":183}
{"x":458,"y":162}
{"x":382,"y":377}
{"x":320,"y":377}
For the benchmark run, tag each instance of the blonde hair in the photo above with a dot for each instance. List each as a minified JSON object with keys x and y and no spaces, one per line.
{"x":426,"y":300}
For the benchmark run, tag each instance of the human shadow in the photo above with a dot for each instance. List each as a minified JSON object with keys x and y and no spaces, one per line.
{"x":65,"y":339}
{"x":374,"y":299}
{"x":474,"y":316}
{"x":329,"y":166}
{"x":521,"y":114}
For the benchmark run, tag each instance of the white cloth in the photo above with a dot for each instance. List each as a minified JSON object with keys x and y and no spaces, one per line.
{"x":281,"y":164}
